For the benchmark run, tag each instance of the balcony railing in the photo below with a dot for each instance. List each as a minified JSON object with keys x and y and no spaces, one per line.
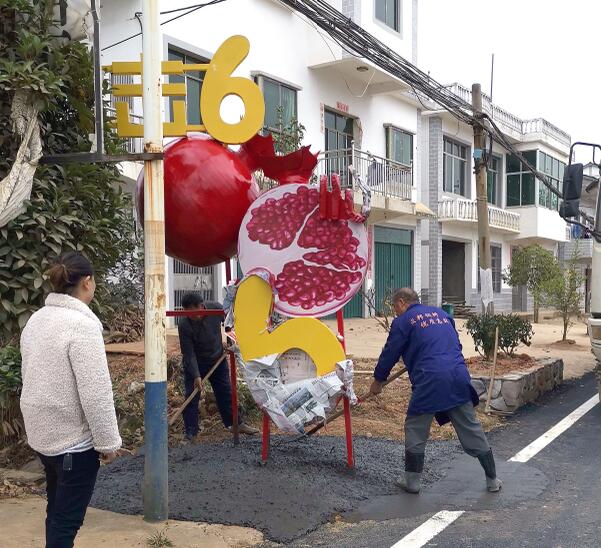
{"x":512,"y":122}
{"x":384,"y":177}
{"x":467,"y":211}
{"x":133,"y":145}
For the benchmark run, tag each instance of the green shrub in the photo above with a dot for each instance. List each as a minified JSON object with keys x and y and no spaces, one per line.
{"x":11,"y":422}
{"x":513,"y":331}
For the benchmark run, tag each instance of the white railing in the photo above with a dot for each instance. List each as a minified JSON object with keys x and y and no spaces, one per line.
{"x":467,"y":210}
{"x":385,"y":177}
{"x":510,"y":121}
{"x":133,"y":145}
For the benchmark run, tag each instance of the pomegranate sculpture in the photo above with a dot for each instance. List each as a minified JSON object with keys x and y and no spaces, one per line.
{"x":209,"y":188}
{"x":317,"y":263}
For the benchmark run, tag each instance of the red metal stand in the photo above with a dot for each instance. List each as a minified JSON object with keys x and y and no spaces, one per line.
{"x":234,"y":381}
{"x":348,"y":427}
{"x":266,"y":438}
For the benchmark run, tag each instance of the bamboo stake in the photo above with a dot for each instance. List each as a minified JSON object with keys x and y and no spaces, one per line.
{"x":492,"y":377}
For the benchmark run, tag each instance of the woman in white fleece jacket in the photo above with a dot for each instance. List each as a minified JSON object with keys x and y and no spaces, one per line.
{"x":67,"y":398}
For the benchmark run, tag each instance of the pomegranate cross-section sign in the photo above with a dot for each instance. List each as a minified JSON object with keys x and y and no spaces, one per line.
{"x":317,"y":264}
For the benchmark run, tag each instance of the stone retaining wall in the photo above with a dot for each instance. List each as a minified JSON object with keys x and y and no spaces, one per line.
{"x":513,"y":390}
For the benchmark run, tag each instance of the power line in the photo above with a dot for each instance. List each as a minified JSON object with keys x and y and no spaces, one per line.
{"x":190,"y":9}
{"x":358,"y":42}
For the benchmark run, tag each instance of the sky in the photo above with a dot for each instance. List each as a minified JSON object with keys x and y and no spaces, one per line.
{"x":547,"y":56}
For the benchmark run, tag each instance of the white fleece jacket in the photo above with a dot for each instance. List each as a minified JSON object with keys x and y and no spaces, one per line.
{"x":67,"y":393}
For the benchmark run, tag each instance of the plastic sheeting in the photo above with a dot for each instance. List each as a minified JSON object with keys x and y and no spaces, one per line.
{"x":293,"y":405}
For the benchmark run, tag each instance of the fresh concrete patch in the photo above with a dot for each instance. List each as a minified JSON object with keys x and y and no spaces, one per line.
{"x":23,"y":525}
{"x":514,"y":390}
{"x":304,"y":484}
{"x":462,"y":487}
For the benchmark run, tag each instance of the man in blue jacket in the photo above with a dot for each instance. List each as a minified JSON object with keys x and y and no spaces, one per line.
{"x":426,"y":338}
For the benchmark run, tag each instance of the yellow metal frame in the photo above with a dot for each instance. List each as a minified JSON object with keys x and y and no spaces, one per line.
{"x":252,"y":309}
{"x":218,"y":83}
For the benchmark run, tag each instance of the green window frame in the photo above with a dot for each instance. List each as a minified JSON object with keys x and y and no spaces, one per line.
{"x":193,"y":80}
{"x":493,"y":175}
{"x":454,"y":167}
{"x":553,"y":169}
{"x":278,"y":95}
{"x":389,"y":13}
{"x":399,"y":145}
{"x":521,"y":186}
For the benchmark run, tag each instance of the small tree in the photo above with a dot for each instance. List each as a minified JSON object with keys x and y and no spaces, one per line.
{"x":563,"y":292}
{"x":532,"y":267}
{"x":289,"y":136}
{"x":72,"y":207}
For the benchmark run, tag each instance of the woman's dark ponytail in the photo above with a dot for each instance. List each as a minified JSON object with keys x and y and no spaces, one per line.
{"x":68,"y":271}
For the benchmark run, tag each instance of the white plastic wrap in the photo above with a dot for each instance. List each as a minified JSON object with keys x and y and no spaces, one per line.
{"x":293,"y":405}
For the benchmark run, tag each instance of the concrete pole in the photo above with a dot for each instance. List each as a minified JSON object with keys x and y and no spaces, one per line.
{"x":155,"y":490}
{"x":481,"y":194}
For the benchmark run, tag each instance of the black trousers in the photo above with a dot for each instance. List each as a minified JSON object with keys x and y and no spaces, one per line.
{"x":69,"y":493}
{"x":220,"y":382}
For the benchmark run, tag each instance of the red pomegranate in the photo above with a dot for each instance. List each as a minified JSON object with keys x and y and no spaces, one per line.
{"x":318,"y":264}
{"x":208,"y":189}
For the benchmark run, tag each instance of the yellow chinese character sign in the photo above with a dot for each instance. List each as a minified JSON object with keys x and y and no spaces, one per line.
{"x":218,"y":83}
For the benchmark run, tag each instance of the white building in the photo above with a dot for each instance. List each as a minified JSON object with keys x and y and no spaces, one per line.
{"x":356,"y":113}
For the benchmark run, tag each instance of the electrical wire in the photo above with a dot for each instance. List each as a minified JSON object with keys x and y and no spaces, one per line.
{"x":357,"y":41}
{"x":191,"y":9}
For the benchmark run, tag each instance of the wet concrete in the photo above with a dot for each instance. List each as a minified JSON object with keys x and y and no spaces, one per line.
{"x":462,"y":487}
{"x":304,"y":484}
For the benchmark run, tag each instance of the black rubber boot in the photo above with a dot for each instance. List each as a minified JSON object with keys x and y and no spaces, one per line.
{"x":414,"y":466}
{"x":493,"y":484}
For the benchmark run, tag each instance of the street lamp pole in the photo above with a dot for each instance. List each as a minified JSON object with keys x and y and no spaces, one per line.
{"x":155,"y":359}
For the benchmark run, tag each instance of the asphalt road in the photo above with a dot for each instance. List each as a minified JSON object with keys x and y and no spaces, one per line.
{"x":553,"y":500}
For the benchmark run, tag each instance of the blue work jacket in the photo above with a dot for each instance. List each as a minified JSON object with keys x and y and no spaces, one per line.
{"x":428,"y":342}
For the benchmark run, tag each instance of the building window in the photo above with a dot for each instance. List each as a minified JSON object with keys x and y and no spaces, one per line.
{"x":399,"y":145}
{"x":193,"y":80}
{"x":389,"y":12}
{"x":280,"y":104}
{"x":454,"y":167}
{"x":493,"y":174}
{"x":520,"y":181}
{"x":495,"y":266}
{"x":554,"y":170}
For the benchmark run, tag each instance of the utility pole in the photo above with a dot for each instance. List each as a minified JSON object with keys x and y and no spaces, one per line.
{"x":480,"y":162}
{"x":155,"y":488}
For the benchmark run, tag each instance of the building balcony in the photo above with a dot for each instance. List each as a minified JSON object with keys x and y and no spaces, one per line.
{"x":466,"y":211}
{"x":578,"y":244}
{"x":540,"y":225}
{"x":537,"y":129}
{"x":391,"y":183}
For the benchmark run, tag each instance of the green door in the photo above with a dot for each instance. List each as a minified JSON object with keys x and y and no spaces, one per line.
{"x":393,"y":268}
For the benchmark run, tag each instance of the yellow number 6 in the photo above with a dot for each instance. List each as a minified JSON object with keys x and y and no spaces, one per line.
{"x":218,"y":83}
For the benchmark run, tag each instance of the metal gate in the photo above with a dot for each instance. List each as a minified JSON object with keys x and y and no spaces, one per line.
{"x":393,"y":258}
{"x":188,"y":278}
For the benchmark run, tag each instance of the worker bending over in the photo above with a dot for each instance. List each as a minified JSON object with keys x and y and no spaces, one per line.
{"x":428,"y":342}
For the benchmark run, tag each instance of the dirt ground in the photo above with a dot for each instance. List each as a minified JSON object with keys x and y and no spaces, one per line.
{"x":378,"y":417}
{"x":365,"y":339}
{"x":23,"y":526}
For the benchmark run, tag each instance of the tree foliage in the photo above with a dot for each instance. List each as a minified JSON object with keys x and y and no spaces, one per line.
{"x":74,"y":206}
{"x":513,"y":331}
{"x":563,"y":292}
{"x":532,"y":267}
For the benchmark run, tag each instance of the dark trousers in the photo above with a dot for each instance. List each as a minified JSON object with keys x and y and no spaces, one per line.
{"x":69,"y":493}
{"x":466,"y":424}
{"x":220,"y":382}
